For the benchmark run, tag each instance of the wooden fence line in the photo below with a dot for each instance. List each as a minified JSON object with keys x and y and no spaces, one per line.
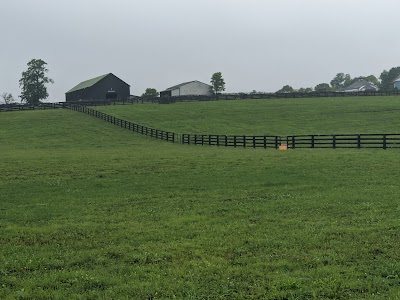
{"x":334,"y":141}
{"x":313,"y":141}
{"x":225,"y":96}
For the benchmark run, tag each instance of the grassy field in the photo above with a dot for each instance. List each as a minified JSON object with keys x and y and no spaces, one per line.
{"x":270,"y":117}
{"x":91,"y":211}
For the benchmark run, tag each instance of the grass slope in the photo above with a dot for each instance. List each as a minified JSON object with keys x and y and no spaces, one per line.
{"x":270,"y":117}
{"x":90,"y":211}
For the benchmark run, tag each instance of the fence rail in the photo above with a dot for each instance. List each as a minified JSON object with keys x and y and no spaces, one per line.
{"x":262,"y":141}
{"x":359,"y":141}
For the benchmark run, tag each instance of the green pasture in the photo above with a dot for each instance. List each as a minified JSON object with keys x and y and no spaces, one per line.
{"x":92,"y":211}
{"x":269,"y":117}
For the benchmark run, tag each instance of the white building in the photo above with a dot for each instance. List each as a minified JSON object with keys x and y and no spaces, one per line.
{"x":397,"y":83}
{"x":190,"y":88}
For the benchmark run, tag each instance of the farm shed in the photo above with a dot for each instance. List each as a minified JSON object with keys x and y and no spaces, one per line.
{"x":190,"y":88}
{"x":107,"y":86}
{"x":360,"y":85}
{"x":397,"y":83}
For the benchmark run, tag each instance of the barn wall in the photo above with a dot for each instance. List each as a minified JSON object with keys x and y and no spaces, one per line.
{"x":99,"y":90}
{"x":175,"y":92}
{"x":195,"y":88}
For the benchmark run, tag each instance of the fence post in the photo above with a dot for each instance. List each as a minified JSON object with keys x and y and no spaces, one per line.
{"x":254,"y":142}
{"x":195,"y":139}
{"x":217,"y":140}
{"x":312,"y":141}
{"x":244,"y":141}
{"x":226,"y":141}
{"x":384,"y":142}
{"x":358,"y":141}
{"x":334,"y":142}
{"x":293,"y":142}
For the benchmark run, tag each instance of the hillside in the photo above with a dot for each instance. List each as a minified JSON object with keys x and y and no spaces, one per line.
{"x":91,"y":211}
{"x":269,"y":117}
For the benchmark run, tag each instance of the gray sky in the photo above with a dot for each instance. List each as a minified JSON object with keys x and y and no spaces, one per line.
{"x":256,"y":44}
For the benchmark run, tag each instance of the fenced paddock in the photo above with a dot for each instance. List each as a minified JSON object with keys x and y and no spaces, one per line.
{"x":333,"y":141}
{"x":313,"y":141}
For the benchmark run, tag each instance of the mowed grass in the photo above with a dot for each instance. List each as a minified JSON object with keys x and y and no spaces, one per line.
{"x":91,"y":211}
{"x":269,"y":117}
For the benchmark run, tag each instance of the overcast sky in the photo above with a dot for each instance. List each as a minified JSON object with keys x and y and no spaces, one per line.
{"x":256,"y":44}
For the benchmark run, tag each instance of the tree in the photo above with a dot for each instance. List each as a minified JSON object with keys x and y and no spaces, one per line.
{"x":150,"y":93}
{"x":323,"y":87}
{"x":33,"y":82}
{"x":286,"y":89}
{"x":217,"y":83}
{"x":388,"y":77}
{"x":305,"y":90}
{"x":7,"y":98}
{"x":373,"y":80}
{"x":341,"y":80}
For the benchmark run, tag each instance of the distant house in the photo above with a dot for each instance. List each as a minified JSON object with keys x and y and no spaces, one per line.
{"x":107,"y":86}
{"x":360,"y":85}
{"x":190,"y":88}
{"x":397,"y":83}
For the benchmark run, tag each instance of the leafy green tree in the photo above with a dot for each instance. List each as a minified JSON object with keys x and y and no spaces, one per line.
{"x":372,"y":78}
{"x":388,"y":77}
{"x":217,"y":83}
{"x":341,"y":80}
{"x":7,"y":98}
{"x":305,"y":90}
{"x":286,"y":89}
{"x":323,"y":87}
{"x":33,"y":82}
{"x":150,"y":93}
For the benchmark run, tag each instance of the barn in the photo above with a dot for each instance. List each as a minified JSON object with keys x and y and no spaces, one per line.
{"x":107,"y":86}
{"x":360,"y":85}
{"x":190,"y":88}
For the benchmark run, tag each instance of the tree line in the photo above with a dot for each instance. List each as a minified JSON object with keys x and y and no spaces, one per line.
{"x":34,"y":79}
{"x":342,"y":80}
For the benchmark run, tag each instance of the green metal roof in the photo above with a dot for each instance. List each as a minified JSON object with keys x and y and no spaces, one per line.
{"x":87,"y":83}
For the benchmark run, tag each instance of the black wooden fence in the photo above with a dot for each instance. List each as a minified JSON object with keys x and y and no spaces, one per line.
{"x":334,"y":141}
{"x":148,"y":131}
{"x":258,"y":141}
{"x":359,"y":141}
{"x":42,"y":106}
{"x":225,"y":96}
